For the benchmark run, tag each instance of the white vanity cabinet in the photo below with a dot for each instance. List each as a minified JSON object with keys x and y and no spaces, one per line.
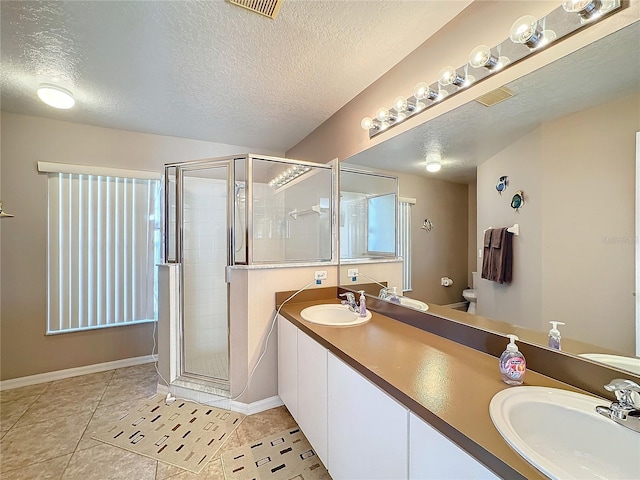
{"x":432,"y":456}
{"x":367,"y":428}
{"x":357,"y":429}
{"x":288,"y":365}
{"x":302,"y":383}
{"x":312,"y":393}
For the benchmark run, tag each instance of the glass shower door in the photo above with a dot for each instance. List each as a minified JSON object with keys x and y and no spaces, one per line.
{"x":205,"y":256}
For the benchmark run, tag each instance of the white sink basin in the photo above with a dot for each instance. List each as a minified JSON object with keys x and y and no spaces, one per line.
{"x":625,"y":363}
{"x":334,"y":315}
{"x":560,"y":433}
{"x":417,"y":304}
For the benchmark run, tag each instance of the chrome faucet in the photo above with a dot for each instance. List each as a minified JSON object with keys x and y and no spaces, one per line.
{"x":351,"y":301}
{"x":626,"y":411}
{"x":384,"y":293}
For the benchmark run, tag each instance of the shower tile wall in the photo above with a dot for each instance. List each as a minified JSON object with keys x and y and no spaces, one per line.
{"x":205,"y":290}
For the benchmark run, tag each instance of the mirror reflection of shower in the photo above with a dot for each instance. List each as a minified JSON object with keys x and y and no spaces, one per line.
{"x":240,"y":206}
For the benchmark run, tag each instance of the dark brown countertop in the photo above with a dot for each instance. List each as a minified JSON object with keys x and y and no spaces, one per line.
{"x":445,"y":383}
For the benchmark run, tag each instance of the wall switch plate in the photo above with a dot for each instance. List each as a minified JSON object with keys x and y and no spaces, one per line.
{"x":352,"y":273}
{"x":479,"y":253}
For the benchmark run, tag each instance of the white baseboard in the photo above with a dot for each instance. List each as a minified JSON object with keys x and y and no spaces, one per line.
{"x":74,"y":372}
{"x":457,"y":305}
{"x":257,"y":407}
{"x":221,"y":402}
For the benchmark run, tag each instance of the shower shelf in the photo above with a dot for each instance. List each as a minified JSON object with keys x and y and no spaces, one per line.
{"x":315,"y":209}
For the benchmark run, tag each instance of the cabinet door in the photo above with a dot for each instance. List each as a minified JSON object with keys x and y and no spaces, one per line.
{"x":312,"y":393}
{"x":288,"y":365}
{"x":434,"y":456}
{"x":368,"y":430}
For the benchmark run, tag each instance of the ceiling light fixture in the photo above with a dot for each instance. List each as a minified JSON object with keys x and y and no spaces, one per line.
{"x":486,"y":61}
{"x":56,"y":97}
{"x":434,"y":167}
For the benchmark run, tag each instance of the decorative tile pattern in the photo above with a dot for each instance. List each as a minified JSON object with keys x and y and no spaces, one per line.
{"x":184,"y":434}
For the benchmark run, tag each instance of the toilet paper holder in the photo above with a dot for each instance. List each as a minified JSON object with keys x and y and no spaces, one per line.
{"x":446,"y":282}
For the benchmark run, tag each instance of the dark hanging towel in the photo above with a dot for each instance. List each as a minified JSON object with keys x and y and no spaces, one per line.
{"x":497,"y":263}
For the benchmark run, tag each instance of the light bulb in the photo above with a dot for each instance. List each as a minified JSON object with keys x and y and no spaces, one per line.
{"x":585,"y":8}
{"x":449,"y":76}
{"x":400,"y":104}
{"x":420,"y":90}
{"x":527,"y":31}
{"x":434,"y":167}
{"x":382,"y":114}
{"x":56,"y":97}
{"x":366,"y":123}
{"x":481,"y":56}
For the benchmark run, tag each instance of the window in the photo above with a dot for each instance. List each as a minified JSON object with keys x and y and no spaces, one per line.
{"x":104,"y":244}
{"x":381,"y":222}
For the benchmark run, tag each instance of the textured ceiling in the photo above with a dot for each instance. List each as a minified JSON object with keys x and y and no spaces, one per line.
{"x":207,"y":70}
{"x":598,"y":73}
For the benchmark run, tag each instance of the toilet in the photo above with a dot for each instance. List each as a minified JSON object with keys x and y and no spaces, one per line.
{"x":470,"y":294}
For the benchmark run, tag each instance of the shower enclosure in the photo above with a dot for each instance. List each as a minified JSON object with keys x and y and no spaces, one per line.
{"x":238,"y":211}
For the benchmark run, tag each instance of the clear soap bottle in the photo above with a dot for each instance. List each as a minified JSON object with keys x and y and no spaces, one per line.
{"x":512,"y":363}
{"x":554,"y":336}
{"x":363,"y":304}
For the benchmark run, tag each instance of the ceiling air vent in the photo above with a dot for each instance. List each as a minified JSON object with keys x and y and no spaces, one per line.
{"x":496,"y":96}
{"x":268,"y":8}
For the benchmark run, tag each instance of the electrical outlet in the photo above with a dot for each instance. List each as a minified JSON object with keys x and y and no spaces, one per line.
{"x":320,"y":275}
{"x":352,"y":273}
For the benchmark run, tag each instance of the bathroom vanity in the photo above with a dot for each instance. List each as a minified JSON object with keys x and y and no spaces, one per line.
{"x":388,"y":400}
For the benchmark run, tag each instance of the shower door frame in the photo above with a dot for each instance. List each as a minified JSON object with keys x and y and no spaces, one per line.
{"x":229,"y":164}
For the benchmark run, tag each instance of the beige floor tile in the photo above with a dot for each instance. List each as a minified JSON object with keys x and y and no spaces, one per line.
{"x":10,"y":412}
{"x":51,"y":404}
{"x":47,"y":470}
{"x":119,"y":393}
{"x":73,"y":382}
{"x":22,"y":392}
{"x":262,"y":424}
{"x":212,"y":471}
{"x":105,"y":462}
{"x":102,"y":418}
{"x":147,"y":369}
{"x":23,"y":446}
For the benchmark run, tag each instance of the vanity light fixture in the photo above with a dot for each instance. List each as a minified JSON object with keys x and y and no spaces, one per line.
{"x":422,"y":91}
{"x":288,"y":175}
{"x":533,"y":33}
{"x":56,"y":97}
{"x":450,"y":76}
{"x":587,"y":9}
{"x":434,"y":167}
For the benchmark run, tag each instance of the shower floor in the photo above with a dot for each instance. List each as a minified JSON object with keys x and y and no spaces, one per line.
{"x":211,"y":364}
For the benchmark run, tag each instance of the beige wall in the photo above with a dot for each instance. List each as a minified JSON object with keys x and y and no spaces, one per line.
{"x":472,"y":254}
{"x":443,"y":251}
{"x":483,"y":22}
{"x":519,"y":301}
{"x":25,"y":141}
{"x":252,"y":309}
{"x":588,"y":232}
{"x":574,"y":258}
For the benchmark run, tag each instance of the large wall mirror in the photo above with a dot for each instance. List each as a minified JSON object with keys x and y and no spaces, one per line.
{"x":566,"y":137}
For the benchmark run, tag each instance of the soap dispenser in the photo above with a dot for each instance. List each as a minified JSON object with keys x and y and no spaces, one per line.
{"x":363,"y":304}
{"x":394,"y":296}
{"x":512,"y":363}
{"x":554,"y":335}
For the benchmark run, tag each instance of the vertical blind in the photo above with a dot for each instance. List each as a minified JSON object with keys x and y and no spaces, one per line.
{"x":404,"y":240}
{"x":104,"y":243}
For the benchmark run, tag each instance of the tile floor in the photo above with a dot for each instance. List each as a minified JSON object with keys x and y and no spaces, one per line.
{"x":45,"y":430}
